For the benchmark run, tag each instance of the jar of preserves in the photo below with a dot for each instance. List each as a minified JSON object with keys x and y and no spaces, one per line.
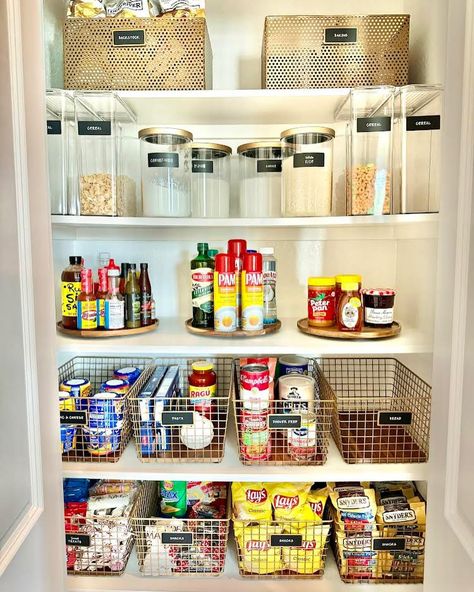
{"x":349,"y":308}
{"x":202,"y":388}
{"x":321,"y":301}
{"x":378,"y":308}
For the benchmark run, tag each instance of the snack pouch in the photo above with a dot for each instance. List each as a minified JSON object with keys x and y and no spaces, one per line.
{"x":256,"y":555}
{"x":355,"y":507}
{"x":309,"y":558}
{"x":251,"y":501}
{"x":402,"y":514}
{"x":126,"y":8}
{"x":357,"y":560}
{"x":317,"y":502}
{"x":86,"y":8}
{"x":177,"y":8}
{"x":289,"y":502}
{"x":393,"y":490}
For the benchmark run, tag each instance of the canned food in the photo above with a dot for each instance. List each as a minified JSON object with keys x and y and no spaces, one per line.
{"x":302,"y":440}
{"x":255,"y":387}
{"x":297,"y":392}
{"x":66,"y":402}
{"x":106,"y":411}
{"x":100,"y":442}
{"x":130,"y":374}
{"x":115,"y":385}
{"x":255,"y":436}
{"x":68,"y":438}
{"x":80,"y":388}
{"x":293,"y":365}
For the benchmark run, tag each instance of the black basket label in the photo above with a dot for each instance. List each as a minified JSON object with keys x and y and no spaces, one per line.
{"x":340,"y":35}
{"x":78,"y":540}
{"x":374,"y":124}
{"x":169,"y":160}
{"x":286,"y":540}
{"x":394,"y":418}
{"x":53,"y":127}
{"x":269,"y":166}
{"x":308,"y":159}
{"x":94,"y":128}
{"x":388,"y":544}
{"x":177,"y":418}
{"x":203,"y":166}
{"x":177,"y":538}
{"x":284,"y":421}
{"x":417,"y":123}
{"x":73,"y":417}
{"x":127,"y":38}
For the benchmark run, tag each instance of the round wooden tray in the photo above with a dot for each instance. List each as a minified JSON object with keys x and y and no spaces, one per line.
{"x":239,"y":333}
{"x":104,"y":333}
{"x":334,"y":333}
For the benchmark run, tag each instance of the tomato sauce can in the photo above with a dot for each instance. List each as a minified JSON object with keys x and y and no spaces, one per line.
{"x":255,"y":443}
{"x":255,"y":387}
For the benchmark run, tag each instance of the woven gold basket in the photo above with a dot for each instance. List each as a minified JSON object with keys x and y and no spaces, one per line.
{"x":138,"y":54}
{"x":335,"y":51}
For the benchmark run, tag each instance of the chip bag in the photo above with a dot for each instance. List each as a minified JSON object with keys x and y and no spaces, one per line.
{"x":356,"y":558}
{"x":309,"y":558}
{"x":251,"y":501}
{"x":256,"y":555}
{"x":355,"y":508}
{"x":86,"y":8}
{"x":127,"y":8}
{"x":317,"y":502}
{"x":402,"y":514}
{"x":289,"y":501}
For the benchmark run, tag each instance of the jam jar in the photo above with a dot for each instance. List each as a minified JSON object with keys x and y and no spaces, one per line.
{"x":378,"y":308}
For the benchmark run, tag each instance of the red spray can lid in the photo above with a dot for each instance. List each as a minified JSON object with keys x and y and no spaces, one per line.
{"x":224,"y":263}
{"x":237,"y":247}
{"x":253,"y":262}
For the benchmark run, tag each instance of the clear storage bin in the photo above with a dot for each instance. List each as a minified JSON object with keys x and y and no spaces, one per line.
{"x":260,"y":180}
{"x":307,"y":171}
{"x":418,"y":148}
{"x":210,"y":180}
{"x":369,"y":151}
{"x":166,"y":165}
{"x":106,"y":182}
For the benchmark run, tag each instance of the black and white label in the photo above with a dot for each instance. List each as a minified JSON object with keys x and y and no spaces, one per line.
{"x":378,"y":316}
{"x":203,"y":166}
{"x":286,"y":540}
{"x":73,"y":417}
{"x":340,"y":35}
{"x":78,"y":540}
{"x":177,"y":418}
{"x":284,"y":421}
{"x":374,"y":124}
{"x":394,"y":418}
{"x":168,"y":160}
{"x":308,"y":159}
{"x":417,"y":123}
{"x":94,"y":128}
{"x":269,"y":166}
{"x":177,"y":538}
{"x":124,"y":38}
{"x":388,"y":544}
{"x":53,"y":127}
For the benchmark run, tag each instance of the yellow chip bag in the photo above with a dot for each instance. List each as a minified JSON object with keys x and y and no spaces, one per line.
{"x":309,"y":558}
{"x":317,"y":502}
{"x":251,"y":501}
{"x":289,"y":501}
{"x":256,"y":555}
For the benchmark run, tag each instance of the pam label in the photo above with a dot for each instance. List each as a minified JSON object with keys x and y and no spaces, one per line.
{"x":203,"y":166}
{"x":78,"y":540}
{"x":94,"y":128}
{"x":340,"y":35}
{"x":177,"y":538}
{"x":124,"y":38}
{"x":374,"y":124}
{"x":284,"y":421}
{"x":394,"y":418}
{"x":73,"y":417}
{"x":417,"y":123}
{"x":176,"y":418}
{"x":286,"y":540}
{"x":308,"y":159}
{"x":269,"y":166}
{"x":388,"y":544}
{"x":169,"y":160}
{"x":53,"y":127}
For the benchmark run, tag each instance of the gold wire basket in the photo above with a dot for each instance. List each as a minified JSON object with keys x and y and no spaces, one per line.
{"x":382,"y":410}
{"x":179,"y":546}
{"x":335,"y":51}
{"x":178,"y":430}
{"x":81,"y":439}
{"x":284,"y":434}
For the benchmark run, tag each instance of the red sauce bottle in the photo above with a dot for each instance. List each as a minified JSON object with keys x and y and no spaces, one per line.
{"x":202,"y":388}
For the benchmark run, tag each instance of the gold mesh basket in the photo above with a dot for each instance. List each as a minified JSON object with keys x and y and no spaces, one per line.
{"x":138,"y":54}
{"x":382,"y":410}
{"x":335,"y":51}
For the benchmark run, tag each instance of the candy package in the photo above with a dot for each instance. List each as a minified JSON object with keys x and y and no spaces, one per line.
{"x":309,"y":558}
{"x":251,"y":501}
{"x":257,"y":556}
{"x":289,"y":501}
{"x":207,"y":499}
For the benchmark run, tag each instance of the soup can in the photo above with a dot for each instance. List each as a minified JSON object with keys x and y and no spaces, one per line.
{"x":255,"y":443}
{"x":130,"y":374}
{"x":66,"y":402}
{"x":115,"y":385}
{"x":106,"y":411}
{"x":302,"y":440}
{"x":255,"y":387}
{"x":297,"y":393}
{"x":100,"y":442}
{"x":293,"y":365}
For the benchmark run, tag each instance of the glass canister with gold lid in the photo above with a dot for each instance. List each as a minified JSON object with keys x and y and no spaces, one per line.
{"x":210,"y":180}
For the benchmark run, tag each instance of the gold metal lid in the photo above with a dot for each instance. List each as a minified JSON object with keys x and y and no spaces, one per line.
{"x":253,"y":145}
{"x":165,"y":131}
{"x":211,"y":146}
{"x":310,"y":129}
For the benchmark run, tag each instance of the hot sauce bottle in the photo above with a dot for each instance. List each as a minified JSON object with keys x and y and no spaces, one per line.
{"x":350,"y":314}
{"x":70,"y":290}
{"x":101,"y":294}
{"x":86,"y":303}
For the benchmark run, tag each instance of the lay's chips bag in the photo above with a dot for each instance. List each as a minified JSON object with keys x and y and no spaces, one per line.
{"x":251,"y":501}
{"x":256,"y":555}
{"x":289,"y":501}
{"x":317,"y":502}
{"x":309,"y":558}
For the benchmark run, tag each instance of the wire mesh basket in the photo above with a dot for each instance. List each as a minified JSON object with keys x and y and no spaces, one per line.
{"x":97,"y":429}
{"x":286,"y":432}
{"x":179,"y":546}
{"x":382,"y":410}
{"x":102,"y":545}
{"x":272,"y":549}
{"x":180,"y":428}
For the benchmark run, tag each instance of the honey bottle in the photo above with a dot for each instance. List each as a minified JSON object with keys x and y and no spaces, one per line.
{"x":350,"y":314}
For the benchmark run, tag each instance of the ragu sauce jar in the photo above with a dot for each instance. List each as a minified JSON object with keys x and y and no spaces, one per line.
{"x":321,"y":301}
{"x":202,"y":388}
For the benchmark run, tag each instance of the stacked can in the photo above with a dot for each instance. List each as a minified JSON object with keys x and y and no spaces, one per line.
{"x":255,"y":441}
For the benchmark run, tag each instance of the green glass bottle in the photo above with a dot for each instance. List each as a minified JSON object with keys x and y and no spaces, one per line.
{"x":202,"y":290}
{"x":132,"y":299}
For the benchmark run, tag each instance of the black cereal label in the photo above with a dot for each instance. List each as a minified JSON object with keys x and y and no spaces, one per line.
{"x":177,"y":418}
{"x":394,"y":418}
{"x":286,"y":540}
{"x":269,"y":166}
{"x":203,"y":166}
{"x":308,"y":159}
{"x":380,"y":544}
{"x":73,"y":417}
{"x":340,"y":35}
{"x":124,"y":38}
{"x":416,"y":123}
{"x":53,"y":127}
{"x":168,"y":160}
{"x":374,"y":124}
{"x":177,"y":538}
{"x":284,"y":421}
{"x":94,"y":128}
{"x":78,"y":540}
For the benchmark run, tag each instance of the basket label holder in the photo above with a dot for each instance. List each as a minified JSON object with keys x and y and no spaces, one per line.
{"x":177,"y":418}
{"x":286,"y":540}
{"x":394,"y":418}
{"x":128,"y":38}
{"x":177,"y":538}
{"x":340,"y":35}
{"x":284,"y":421}
{"x":73,"y":417}
{"x":388,"y":544}
{"x":78,"y":540}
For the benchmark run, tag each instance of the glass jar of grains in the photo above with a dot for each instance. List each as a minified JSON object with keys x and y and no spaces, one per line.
{"x":307,"y":154}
